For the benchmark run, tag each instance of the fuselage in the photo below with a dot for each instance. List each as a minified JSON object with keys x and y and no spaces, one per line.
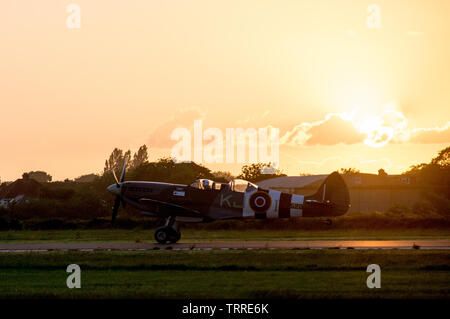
{"x":219,"y":201}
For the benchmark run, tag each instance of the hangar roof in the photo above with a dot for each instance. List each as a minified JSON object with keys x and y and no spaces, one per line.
{"x":291,"y":181}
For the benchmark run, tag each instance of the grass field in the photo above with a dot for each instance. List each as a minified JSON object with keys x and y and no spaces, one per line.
{"x":227,"y":274}
{"x":199,"y":235}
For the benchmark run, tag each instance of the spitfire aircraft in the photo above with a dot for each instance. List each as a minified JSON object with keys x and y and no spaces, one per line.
{"x":205,"y":200}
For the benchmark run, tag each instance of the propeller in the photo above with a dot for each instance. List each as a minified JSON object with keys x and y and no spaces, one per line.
{"x":118,"y":200}
{"x":115,"y":208}
{"x":122,"y":177}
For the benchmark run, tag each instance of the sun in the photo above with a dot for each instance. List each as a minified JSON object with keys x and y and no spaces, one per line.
{"x":370,"y":124}
{"x":379,"y":124}
{"x":378,"y":134}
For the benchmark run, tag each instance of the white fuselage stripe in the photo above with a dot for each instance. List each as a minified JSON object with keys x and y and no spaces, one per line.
{"x":296,"y":205}
{"x":272,"y":212}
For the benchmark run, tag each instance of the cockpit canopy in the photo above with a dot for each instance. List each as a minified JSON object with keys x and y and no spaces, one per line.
{"x":236,"y":185}
{"x":206,"y":184}
{"x":242,"y":186}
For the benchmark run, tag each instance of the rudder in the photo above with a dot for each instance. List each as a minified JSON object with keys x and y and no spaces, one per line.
{"x":331,"y":199}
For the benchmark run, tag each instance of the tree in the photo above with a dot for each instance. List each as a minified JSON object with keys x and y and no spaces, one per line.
{"x":415,"y":169}
{"x":304,"y":174}
{"x":435,"y":175}
{"x":116,"y":160}
{"x":222,"y":176}
{"x":382,"y":172}
{"x":86,"y":178}
{"x":259,"y":171}
{"x":140,"y":157}
{"x":347,"y":171}
{"x":38,"y":176}
{"x":443,"y":158}
{"x":166,"y":170}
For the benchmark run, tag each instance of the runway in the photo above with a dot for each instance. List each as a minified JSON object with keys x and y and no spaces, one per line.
{"x":317,"y":244}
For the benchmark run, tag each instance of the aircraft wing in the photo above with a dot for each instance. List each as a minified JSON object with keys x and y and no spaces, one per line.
{"x":168,"y":209}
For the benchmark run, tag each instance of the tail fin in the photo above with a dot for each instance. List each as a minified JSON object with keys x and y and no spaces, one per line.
{"x":331,"y":199}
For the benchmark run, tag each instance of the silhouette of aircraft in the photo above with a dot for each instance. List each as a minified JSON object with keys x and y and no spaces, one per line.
{"x":205,"y":200}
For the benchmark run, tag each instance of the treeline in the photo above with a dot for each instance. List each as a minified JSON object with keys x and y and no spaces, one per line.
{"x":86,"y":197}
{"x":435,"y":175}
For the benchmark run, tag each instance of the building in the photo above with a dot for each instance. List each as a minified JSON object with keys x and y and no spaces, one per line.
{"x":20,"y":190}
{"x":368,"y":192}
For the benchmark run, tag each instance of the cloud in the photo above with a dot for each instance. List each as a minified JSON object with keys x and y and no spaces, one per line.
{"x":333,"y":130}
{"x":381,"y":129}
{"x":160,"y":137}
{"x":375,"y":130}
{"x":430,"y":135}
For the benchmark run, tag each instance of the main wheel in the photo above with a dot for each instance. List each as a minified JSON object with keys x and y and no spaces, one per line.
{"x":162,"y":235}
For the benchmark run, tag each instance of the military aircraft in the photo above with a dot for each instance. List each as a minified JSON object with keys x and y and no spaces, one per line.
{"x":205,"y":200}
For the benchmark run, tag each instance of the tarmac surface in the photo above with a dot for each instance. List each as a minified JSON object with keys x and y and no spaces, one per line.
{"x":322,"y":244}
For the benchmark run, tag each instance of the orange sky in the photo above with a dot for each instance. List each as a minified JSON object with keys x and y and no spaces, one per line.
{"x":137,"y":69}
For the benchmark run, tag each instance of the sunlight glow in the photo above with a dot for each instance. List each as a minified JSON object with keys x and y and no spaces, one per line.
{"x":382,"y":128}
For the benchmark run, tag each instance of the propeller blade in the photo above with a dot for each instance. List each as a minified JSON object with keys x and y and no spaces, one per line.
{"x":124,"y":169}
{"x":115,"y":177}
{"x":115,"y":208}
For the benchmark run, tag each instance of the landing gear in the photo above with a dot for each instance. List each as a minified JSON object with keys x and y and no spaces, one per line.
{"x":328,"y":221}
{"x":165,"y":235}
{"x":169,"y":233}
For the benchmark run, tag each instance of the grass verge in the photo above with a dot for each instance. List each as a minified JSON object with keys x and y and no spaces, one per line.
{"x":227,"y":274}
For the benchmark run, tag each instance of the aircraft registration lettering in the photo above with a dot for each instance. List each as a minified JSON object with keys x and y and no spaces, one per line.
{"x":225,"y":201}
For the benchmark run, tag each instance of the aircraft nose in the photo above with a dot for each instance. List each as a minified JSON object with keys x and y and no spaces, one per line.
{"x":114,"y":189}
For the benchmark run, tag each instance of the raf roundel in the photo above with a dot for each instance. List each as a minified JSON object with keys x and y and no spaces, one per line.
{"x":260,"y":202}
